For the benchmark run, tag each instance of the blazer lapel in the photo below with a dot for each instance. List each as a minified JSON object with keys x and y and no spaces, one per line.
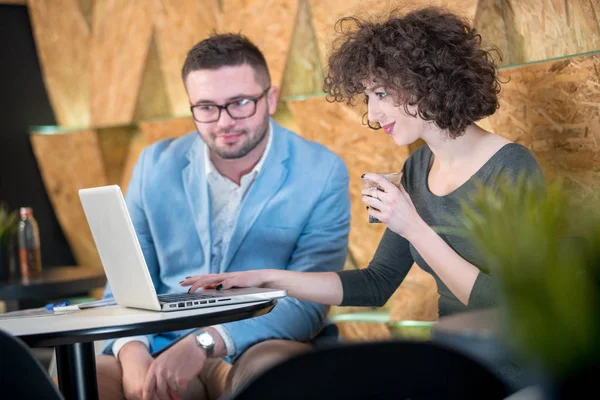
{"x":196,"y":190}
{"x":267,"y":183}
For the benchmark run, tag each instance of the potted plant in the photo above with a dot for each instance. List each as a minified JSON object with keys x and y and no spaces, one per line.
{"x":544,"y":249}
{"x":8,"y":229}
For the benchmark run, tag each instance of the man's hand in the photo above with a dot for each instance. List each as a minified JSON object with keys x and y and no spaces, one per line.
{"x":135,"y":361}
{"x":171,"y":373}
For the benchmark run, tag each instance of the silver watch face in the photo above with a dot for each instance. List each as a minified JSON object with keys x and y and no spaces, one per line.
{"x":205,"y":340}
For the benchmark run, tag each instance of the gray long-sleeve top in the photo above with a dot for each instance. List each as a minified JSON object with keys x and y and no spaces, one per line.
{"x":373,"y":286}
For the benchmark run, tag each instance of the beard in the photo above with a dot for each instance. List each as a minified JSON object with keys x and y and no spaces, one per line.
{"x":249,"y":140}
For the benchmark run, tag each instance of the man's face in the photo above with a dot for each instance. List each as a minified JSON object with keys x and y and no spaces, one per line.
{"x":231,"y":138}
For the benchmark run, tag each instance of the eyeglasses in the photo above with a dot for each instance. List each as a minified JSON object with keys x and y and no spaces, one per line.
{"x":238,"y":109}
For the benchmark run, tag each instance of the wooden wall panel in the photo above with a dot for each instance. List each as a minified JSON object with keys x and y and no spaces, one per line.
{"x":153,"y":99}
{"x":153,"y":131}
{"x":69,"y":162}
{"x":268,"y":23}
{"x":62,"y":38}
{"x":121,"y":38}
{"x":489,"y":22}
{"x":326,"y":13}
{"x":114,"y":145}
{"x":136,"y":145}
{"x":87,"y":10}
{"x":554,"y":109}
{"x":303,"y":73}
{"x":416,"y":298}
{"x":542,"y":29}
{"x":180,"y":24}
{"x":339,"y":128}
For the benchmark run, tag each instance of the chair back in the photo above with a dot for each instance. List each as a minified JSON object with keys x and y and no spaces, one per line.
{"x":21,"y":374}
{"x":381,"y":370}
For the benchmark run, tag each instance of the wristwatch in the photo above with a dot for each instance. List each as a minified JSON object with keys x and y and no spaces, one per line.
{"x":205,"y":340}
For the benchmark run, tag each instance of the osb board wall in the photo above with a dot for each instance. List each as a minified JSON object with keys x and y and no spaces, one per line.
{"x":65,"y":63}
{"x":122,"y":31}
{"x":542,"y":29}
{"x":154,"y":131}
{"x":554,"y":109}
{"x":179,"y":24}
{"x":136,"y":145}
{"x":153,"y":101}
{"x":93,"y":52}
{"x":268,"y":23}
{"x":303,"y":72}
{"x":69,"y":162}
{"x":114,"y":145}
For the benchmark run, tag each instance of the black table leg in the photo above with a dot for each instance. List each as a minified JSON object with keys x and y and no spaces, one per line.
{"x":76,"y":367}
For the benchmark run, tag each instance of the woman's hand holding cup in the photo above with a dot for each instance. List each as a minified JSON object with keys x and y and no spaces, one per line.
{"x":388,"y":202}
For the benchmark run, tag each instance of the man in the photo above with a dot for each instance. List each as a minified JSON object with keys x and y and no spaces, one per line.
{"x":240,"y":193}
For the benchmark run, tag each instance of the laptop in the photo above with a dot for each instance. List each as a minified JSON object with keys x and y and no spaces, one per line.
{"x":125,"y":266}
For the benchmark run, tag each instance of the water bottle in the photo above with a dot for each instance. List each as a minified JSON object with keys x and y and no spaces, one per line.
{"x":30,"y":259}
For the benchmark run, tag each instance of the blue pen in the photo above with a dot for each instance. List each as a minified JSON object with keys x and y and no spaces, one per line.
{"x":50,"y":306}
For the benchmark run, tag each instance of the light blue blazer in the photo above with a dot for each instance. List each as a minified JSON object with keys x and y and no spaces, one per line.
{"x":295,"y":216}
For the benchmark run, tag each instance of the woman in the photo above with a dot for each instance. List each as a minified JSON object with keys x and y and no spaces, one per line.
{"x":423,"y":76}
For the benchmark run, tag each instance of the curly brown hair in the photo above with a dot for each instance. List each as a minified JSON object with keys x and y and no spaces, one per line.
{"x":430,"y":58}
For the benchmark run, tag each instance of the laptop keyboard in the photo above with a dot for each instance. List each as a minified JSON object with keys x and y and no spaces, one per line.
{"x":170,"y":298}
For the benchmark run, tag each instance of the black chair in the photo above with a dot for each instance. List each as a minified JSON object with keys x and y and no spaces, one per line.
{"x":21,"y":374}
{"x":382,"y":370}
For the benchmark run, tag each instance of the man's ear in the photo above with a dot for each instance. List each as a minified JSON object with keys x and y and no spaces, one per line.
{"x":272,"y":97}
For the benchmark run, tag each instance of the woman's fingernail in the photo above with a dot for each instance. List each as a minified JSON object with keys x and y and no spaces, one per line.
{"x":362,"y":176}
{"x":190,"y":290}
{"x":367,"y":207}
{"x":219,"y":286}
{"x":182,"y":281}
{"x":187,"y":277}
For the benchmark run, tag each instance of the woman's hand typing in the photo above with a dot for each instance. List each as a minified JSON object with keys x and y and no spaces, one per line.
{"x":227,"y":280}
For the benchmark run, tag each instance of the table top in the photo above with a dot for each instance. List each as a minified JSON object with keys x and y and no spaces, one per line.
{"x":116,"y":321}
{"x":55,"y":282}
{"x":478,"y":324}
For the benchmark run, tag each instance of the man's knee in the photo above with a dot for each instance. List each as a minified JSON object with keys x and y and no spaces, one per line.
{"x":263,"y":356}
{"x":108,"y":374}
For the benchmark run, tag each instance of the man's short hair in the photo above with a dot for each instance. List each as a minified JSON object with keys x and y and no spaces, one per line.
{"x":226,"y":50}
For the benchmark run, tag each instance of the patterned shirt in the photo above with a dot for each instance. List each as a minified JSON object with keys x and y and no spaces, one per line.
{"x":226,"y":197}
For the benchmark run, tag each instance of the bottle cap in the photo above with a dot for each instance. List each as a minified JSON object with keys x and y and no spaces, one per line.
{"x":25,"y":211}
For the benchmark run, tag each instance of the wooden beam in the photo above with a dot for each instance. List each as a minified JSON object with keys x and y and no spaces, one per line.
{"x":121,"y":39}
{"x":180,"y":24}
{"x":269,"y":24}
{"x":303,"y":73}
{"x":62,"y":38}
{"x":69,"y":162}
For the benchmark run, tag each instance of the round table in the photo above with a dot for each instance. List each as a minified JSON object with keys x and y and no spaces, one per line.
{"x":73,"y":334}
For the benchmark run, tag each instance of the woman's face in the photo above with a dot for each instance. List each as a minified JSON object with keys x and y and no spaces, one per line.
{"x":402,"y":127}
